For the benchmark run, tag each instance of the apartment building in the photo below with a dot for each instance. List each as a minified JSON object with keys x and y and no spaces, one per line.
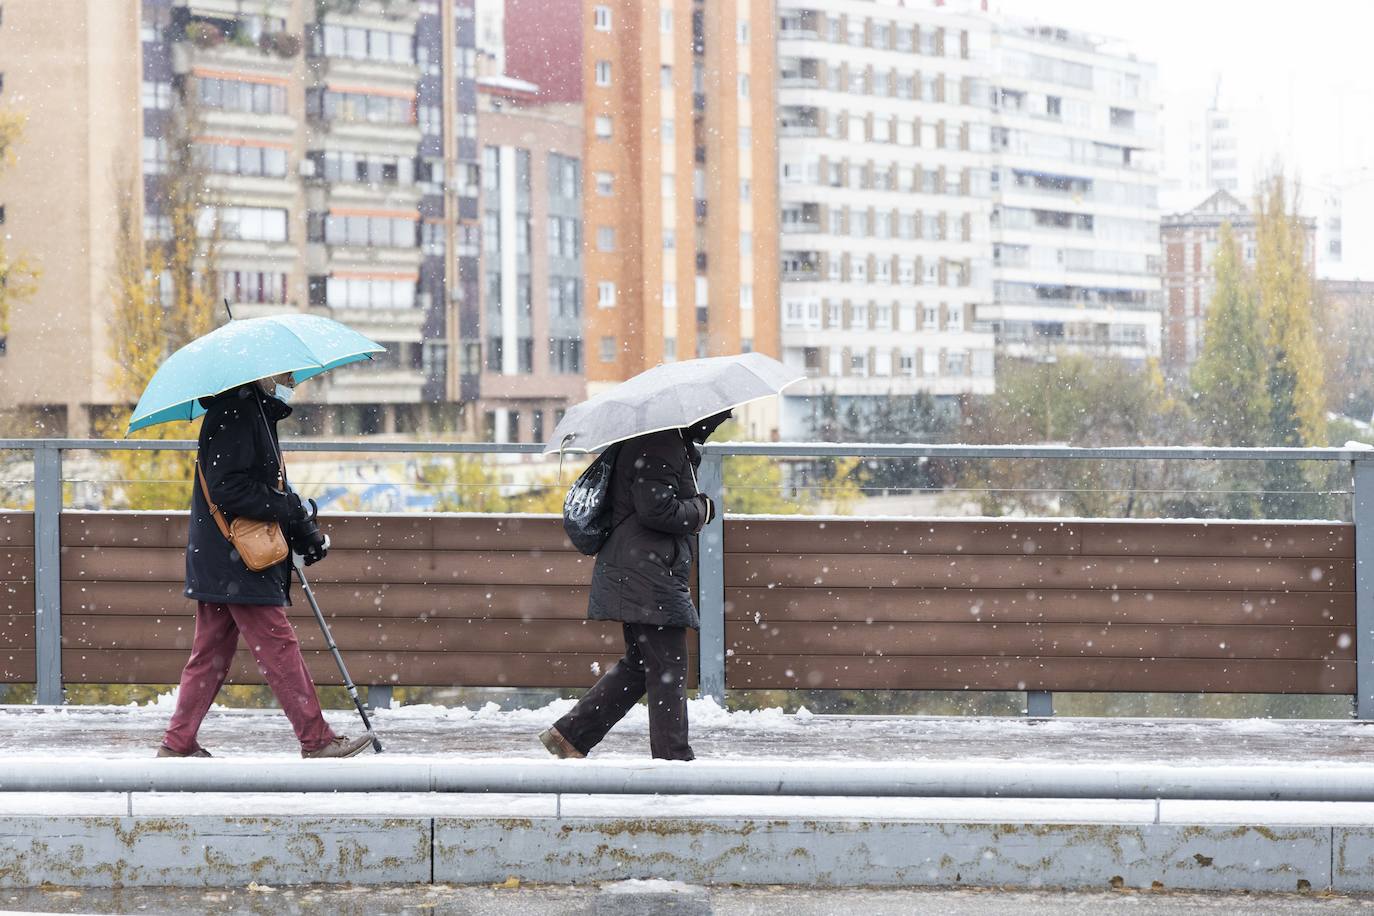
{"x":1074,"y":185}
{"x":884,"y":154}
{"x":78,"y":86}
{"x":531,"y":285}
{"x":326,"y":127}
{"x":1189,"y":241}
{"x":679,"y":188}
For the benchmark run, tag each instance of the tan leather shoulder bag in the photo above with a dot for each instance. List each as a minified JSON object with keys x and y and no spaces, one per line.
{"x":261,"y":544}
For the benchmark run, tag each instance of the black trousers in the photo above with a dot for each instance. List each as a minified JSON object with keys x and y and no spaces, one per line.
{"x":655,"y":662}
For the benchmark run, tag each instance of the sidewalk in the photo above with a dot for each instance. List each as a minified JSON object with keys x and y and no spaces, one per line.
{"x":106,"y":731}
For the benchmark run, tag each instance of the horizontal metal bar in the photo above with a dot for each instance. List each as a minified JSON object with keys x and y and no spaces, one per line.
{"x":774,"y":449}
{"x":884,"y":450}
{"x":917,"y":779}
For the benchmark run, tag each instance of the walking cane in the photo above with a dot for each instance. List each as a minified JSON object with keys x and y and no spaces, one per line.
{"x":299,"y":563}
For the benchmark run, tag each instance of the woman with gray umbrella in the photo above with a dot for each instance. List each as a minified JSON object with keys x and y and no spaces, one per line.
{"x":642,"y":579}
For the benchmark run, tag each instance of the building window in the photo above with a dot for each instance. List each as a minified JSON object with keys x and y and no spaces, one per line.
{"x":665,"y":20}
{"x":665,"y":130}
{"x":605,"y":238}
{"x":154,"y":156}
{"x":601,"y":18}
{"x":241,"y":95}
{"x":359,"y":107}
{"x":605,"y":184}
{"x":607,"y":350}
{"x":665,"y":77}
{"x":669,"y":238}
{"x":157,"y":95}
{"x":253,"y":224}
{"x":746,"y":297}
{"x":603,"y":73}
{"x":670,"y":349}
{"x":744,"y":189}
{"x":254,"y":286}
{"x":603,"y":127}
{"x":605,"y":294}
{"x":364,"y":44}
{"x":670,"y":295}
{"x":742,"y":31}
{"x":744,"y":85}
{"x":746,"y":244}
{"x":346,"y":293}
{"x":254,"y":161}
{"x":745,"y":138}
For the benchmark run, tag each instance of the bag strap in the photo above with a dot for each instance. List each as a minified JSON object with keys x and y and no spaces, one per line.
{"x":214,"y":509}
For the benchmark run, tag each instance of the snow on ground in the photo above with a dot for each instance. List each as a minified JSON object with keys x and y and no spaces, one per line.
{"x":717,"y":734}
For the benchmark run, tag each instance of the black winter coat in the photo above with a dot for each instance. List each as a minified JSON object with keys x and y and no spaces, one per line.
{"x":238,"y":455}
{"x":643,"y":573}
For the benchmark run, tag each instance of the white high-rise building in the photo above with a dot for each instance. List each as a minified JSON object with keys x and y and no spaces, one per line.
{"x":883,"y":144}
{"x":1075,"y":186}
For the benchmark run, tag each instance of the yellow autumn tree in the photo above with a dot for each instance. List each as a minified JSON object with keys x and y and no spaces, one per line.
{"x":163,"y":298}
{"x":18,"y":274}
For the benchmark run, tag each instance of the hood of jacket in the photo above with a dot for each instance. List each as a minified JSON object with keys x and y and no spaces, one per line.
{"x":701,"y":430}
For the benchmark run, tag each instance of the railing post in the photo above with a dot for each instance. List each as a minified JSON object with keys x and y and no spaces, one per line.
{"x":379,"y":697}
{"x":1039,"y":704}
{"x":711,"y":583}
{"x":47,"y":578}
{"x":1363,"y":515}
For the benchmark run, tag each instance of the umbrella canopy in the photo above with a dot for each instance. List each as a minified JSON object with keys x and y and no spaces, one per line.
{"x":670,"y":396}
{"x":242,"y":351}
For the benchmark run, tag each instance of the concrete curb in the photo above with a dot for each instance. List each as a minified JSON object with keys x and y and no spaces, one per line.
{"x":218,"y":851}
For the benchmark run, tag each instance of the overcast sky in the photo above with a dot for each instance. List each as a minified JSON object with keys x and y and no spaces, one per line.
{"x":1306,"y":67}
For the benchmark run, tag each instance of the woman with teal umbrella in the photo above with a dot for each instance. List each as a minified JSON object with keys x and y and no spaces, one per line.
{"x":240,"y":378}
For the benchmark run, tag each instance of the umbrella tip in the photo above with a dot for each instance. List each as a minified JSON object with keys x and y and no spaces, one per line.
{"x":228,"y":309}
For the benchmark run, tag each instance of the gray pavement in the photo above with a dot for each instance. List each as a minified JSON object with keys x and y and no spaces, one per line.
{"x":105,"y":731}
{"x":653,"y":899}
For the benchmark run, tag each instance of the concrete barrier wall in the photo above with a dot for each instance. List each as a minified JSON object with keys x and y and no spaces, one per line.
{"x":216,"y":850}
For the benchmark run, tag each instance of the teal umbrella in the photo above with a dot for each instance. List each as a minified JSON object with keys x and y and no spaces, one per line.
{"x":242,"y":351}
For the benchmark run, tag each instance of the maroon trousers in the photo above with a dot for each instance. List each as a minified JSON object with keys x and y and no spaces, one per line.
{"x":278,"y":653}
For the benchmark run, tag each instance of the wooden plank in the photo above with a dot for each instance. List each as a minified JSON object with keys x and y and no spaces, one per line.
{"x":364,"y":634}
{"x":942,"y":536}
{"x":1167,"y":573}
{"x":16,"y":566}
{"x":16,"y":528}
{"x":1125,"y":641}
{"x":1056,"y":674}
{"x":419,"y":669}
{"x":1041,"y":605}
{"x":349,"y":566}
{"x":17,"y":632}
{"x":1219,"y":539}
{"x":162,"y":599}
{"x":17,"y":667}
{"x":493,"y":532}
{"x":124,"y":529}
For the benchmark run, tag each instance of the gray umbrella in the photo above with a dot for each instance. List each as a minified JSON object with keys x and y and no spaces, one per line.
{"x":668,"y":397}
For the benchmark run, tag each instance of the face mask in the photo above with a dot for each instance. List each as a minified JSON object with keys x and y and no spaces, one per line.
{"x":283,"y":394}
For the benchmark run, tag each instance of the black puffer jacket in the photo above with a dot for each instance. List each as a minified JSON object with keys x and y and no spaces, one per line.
{"x":238,"y":455}
{"x":643,"y":573}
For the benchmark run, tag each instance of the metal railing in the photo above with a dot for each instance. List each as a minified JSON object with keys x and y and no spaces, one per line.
{"x":910,"y":779}
{"x":48,"y":458}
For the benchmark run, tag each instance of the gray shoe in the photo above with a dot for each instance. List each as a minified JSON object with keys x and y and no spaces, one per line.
{"x":341,"y":746}
{"x":165,"y":751}
{"x":559,"y":746}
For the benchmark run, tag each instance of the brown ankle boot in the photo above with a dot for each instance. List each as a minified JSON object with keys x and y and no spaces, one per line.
{"x":559,"y":746}
{"x":341,"y":746}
